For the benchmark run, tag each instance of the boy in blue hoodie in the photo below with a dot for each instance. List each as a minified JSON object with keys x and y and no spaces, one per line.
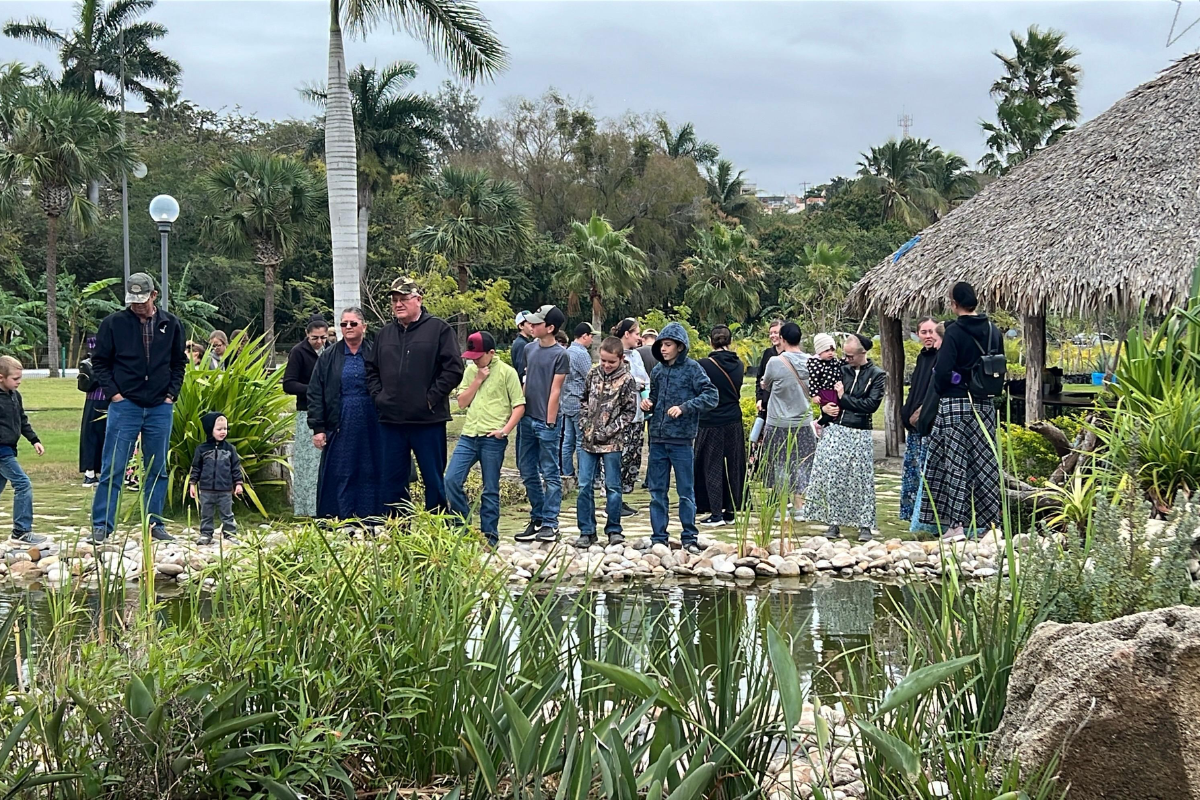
{"x":679,"y":392}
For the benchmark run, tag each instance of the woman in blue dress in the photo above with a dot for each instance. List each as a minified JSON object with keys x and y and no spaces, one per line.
{"x":345,"y":427}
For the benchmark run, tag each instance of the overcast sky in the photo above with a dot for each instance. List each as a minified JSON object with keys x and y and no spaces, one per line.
{"x":790,"y":91}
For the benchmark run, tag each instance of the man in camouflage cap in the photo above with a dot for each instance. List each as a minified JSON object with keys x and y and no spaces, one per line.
{"x":415,"y":365}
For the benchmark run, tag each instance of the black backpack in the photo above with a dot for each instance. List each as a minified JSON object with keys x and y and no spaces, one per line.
{"x":987,"y":377}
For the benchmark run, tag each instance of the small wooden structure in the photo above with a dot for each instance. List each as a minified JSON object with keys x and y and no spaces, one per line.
{"x":1103,"y":221}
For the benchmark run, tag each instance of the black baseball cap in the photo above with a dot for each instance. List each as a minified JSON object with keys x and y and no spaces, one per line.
{"x":583,"y":329}
{"x":479,"y":344}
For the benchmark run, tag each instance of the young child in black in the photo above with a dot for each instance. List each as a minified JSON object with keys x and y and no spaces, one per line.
{"x":216,"y":478}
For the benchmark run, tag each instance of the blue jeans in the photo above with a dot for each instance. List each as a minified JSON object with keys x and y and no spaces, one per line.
{"x":126,"y":421}
{"x":585,"y":504}
{"x":489,"y":454}
{"x":571,"y":438}
{"x":538,"y":461}
{"x":664,"y":458}
{"x":400,"y":443}
{"x":11,"y":472}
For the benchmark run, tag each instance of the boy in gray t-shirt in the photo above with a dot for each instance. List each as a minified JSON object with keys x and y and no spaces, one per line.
{"x":538,"y":444}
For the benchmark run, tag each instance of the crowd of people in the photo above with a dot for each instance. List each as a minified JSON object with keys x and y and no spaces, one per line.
{"x":369,"y":408}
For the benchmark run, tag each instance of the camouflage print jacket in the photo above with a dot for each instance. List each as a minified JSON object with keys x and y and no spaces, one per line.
{"x":608,"y":405}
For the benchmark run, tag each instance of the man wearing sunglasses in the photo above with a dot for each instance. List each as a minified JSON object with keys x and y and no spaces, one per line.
{"x":415,"y":365}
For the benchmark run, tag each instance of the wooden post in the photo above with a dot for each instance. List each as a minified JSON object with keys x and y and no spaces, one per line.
{"x":892,"y":357}
{"x":1034,"y":331}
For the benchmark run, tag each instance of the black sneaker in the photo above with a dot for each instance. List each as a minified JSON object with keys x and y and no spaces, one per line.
{"x":693,"y":548}
{"x":206,"y":539}
{"x":229,"y":537}
{"x":159,"y":534}
{"x":715,"y":521}
{"x":833,"y":532}
{"x":530,"y":532}
{"x":27,"y":537}
{"x":628,"y":510}
{"x":92,"y":482}
{"x":547,"y":534}
{"x":584,"y":541}
{"x":865,"y":535}
{"x":616,"y":538}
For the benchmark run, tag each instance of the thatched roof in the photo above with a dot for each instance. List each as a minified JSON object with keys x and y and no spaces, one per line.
{"x":1104,"y":219}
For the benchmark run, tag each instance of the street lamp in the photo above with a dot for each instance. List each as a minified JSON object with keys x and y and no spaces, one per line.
{"x":164,"y":210}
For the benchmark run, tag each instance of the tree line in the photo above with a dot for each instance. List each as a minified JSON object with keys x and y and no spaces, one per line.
{"x":543,"y":202}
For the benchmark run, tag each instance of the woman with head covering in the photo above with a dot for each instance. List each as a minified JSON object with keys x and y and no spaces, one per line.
{"x":920,"y":405}
{"x":842,"y":491}
{"x":306,"y":459}
{"x":91,"y":429}
{"x":345,"y":426}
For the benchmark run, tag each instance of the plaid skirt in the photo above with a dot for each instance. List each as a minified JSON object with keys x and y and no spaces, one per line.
{"x":788,"y":458}
{"x":842,"y":490}
{"x":962,"y":474}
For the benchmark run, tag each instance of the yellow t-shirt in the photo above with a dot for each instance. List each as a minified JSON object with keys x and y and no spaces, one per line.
{"x":499,"y":394}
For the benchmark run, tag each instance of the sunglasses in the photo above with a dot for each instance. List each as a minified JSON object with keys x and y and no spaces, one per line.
{"x":350,"y":324}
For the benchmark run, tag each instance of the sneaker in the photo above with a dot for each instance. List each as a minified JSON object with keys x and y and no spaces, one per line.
{"x":628,"y":510}
{"x":206,"y":539}
{"x":97,"y":536}
{"x":530,"y":532}
{"x":715,"y":521}
{"x":693,"y":548}
{"x":865,"y":535}
{"x":229,"y":537}
{"x":547,"y":534}
{"x":584,"y":541}
{"x":159,"y":534}
{"x":91,"y":483}
{"x":616,"y":538}
{"x":27,"y":537}
{"x":955,"y":534}
{"x":833,"y":532}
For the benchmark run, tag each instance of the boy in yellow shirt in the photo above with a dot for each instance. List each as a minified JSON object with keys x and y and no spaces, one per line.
{"x":495,"y":402}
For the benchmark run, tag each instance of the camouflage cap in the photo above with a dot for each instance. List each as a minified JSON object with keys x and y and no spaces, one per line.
{"x":405,"y":286}
{"x":138,"y":288}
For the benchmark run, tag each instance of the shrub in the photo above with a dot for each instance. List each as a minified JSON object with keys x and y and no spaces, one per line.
{"x":749,"y":413}
{"x":1029,"y":454}
{"x":260,"y":418}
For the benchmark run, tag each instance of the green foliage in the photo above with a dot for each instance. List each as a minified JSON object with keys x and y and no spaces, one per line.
{"x":724,"y":275}
{"x":822,"y":280}
{"x":917,"y":180}
{"x":749,"y":409}
{"x":1030,"y":455}
{"x":698,"y":346}
{"x":1121,"y":563}
{"x":258,"y":410}
{"x":484,"y":308}
{"x":599,"y":264}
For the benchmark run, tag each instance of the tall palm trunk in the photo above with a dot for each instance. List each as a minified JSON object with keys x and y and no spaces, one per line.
{"x":52,"y":293}
{"x":464,"y":280}
{"x":597,"y":322}
{"x":341,"y":164}
{"x":365,"y":200}
{"x":269,"y":269}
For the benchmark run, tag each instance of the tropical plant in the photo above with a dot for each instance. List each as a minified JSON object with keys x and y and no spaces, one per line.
{"x":947,"y":174}
{"x":478,"y":219}
{"x":197,"y":314}
{"x":21,"y":327}
{"x":821,"y":282}
{"x":457,"y":33}
{"x":108,"y":43}
{"x":59,"y":143}
{"x":1035,"y":99}
{"x":394,"y":130}
{"x":600,"y":264}
{"x":251,"y":397}
{"x":726,"y":191}
{"x":725,"y":275}
{"x":266,"y":204}
{"x":84,"y":307}
{"x":484,"y":308}
{"x":683,"y":143}
{"x":899,"y":172}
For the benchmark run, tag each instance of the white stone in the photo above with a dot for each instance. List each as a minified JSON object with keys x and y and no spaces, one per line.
{"x":169,"y":569}
{"x":744,"y":573}
{"x":661,"y":550}
{"x":842,"y":560}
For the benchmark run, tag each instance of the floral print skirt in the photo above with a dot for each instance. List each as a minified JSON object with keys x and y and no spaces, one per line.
{"x":842,"y":490}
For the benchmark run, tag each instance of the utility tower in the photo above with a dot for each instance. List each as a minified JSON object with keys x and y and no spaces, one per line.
{"x":905,"y":122}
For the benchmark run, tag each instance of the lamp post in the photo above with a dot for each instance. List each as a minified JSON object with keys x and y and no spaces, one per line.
{"x":164,"y":210}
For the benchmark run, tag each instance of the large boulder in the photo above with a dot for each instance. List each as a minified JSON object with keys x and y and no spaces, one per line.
{"x":1119,"y":700}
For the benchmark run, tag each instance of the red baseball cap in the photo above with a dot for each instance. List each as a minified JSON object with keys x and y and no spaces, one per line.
{"x":479,"y":344}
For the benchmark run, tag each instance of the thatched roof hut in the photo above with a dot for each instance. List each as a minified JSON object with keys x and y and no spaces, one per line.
{"x":1104,"y":220}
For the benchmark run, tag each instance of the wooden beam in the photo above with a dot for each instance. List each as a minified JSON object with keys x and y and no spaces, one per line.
{"x":891,"y":342}
{"x":1034,"y":332}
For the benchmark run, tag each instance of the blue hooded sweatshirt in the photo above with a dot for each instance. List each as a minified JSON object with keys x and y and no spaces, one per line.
{"x":683,"y":383}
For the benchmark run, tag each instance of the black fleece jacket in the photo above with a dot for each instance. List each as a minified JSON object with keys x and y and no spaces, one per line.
{"x":760,"y":393}
{"x":13,"y":422}
{"x":412,"y":370}
{"x":296,"y":375}
{"x":960,"y":352}
{"x":729,"y":388}
{"x":216,"y":466}
{"x":325,"y":387}
{"x":120,"y":363}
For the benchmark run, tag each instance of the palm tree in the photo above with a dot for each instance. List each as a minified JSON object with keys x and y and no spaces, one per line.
{"x":898,"y":171}
{"x":598,"y":263}
{"x":947,"y":175}
{"x":822,"y":282}
{"x":58,"y":144}
{"x":684,"y":144}
{"x":91,"y":52}
{"x":395,"y":131}
{"x":266,"y":205}
{"x":725,"y":190}
{"x":725,"y":275}
{"x":84,"y":307}
{"x":479,"y":218}
{"x":457,"y":33}
{"x":1036,"y":104}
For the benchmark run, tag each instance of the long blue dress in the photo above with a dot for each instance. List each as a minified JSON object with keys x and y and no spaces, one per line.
{"x":350,"y":473}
